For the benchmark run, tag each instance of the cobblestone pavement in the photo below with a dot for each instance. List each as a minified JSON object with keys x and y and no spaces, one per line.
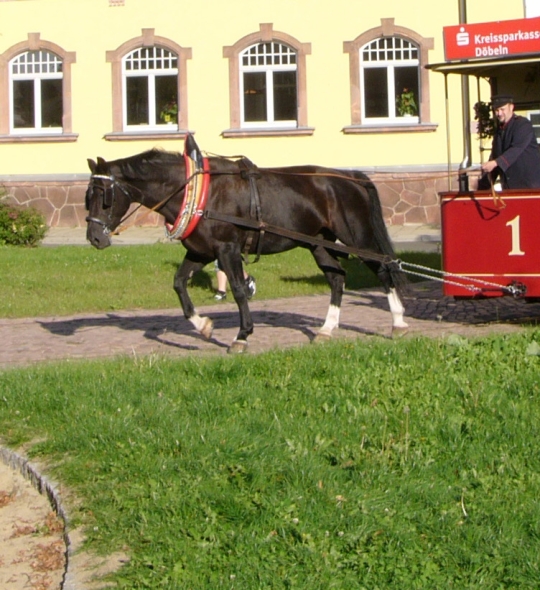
{"x":278,"y":323}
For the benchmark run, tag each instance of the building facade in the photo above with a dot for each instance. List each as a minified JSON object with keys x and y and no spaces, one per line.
{"x":340,"y":84}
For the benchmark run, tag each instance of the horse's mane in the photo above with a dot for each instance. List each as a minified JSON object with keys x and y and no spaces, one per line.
{"x":152,"y":165}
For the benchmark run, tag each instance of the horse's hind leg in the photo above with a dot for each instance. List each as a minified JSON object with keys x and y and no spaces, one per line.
{"x":335,"y":275}
{"x":190,"y":265}
{"x":399,"y":326}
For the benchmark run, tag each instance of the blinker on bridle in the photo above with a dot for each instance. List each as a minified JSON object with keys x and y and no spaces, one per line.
{"x":108,"y":191}
{"x":108,"y":198}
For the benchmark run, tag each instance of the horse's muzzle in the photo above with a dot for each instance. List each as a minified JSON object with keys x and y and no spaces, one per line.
{"x":98,"y":234}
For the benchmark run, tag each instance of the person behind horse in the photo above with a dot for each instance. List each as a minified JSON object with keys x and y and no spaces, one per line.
{"x":221,"y":292}
{"x":515,"y":156}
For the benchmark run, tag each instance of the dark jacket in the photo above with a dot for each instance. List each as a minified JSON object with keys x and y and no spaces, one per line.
{"x":517,"y":154}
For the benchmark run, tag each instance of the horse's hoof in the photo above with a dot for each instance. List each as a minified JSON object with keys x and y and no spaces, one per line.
{"x":321,"y":337}
{"x":399,"y":331}
{"x":238,"y":347}
{"x":207,"y":328}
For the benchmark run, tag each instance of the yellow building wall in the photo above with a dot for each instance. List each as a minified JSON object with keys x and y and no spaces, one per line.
{"x":90,"y":28}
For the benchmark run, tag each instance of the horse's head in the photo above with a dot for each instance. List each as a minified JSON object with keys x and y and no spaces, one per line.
{"x":107,"y":200}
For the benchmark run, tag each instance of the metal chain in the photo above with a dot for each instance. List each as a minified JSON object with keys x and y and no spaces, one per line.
{"x":514,"y":290}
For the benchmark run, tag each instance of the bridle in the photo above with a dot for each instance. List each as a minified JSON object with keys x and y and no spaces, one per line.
{"x":109,"y":200}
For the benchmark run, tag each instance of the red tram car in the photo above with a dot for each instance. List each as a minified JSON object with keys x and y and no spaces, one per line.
{"x":491,"y":241}
{"x":492,"y":245}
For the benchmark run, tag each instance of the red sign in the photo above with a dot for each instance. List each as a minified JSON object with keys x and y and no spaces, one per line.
{"x":496,"y":39}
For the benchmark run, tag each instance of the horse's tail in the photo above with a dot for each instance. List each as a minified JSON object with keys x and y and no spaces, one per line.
{"x":382,"y":238}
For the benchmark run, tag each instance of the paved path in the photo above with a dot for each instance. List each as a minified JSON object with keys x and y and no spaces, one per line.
{"x":278,"y":323}
{"x":405,"y":237}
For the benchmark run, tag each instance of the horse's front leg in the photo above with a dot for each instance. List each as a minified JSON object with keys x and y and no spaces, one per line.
{"x":230,"y":261}
{"x":335,"y":275}
{"x":190,"y":265}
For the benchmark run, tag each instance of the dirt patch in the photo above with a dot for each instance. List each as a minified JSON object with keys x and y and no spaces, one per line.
{"x":31,"y":536}
{"x":37,"y":551}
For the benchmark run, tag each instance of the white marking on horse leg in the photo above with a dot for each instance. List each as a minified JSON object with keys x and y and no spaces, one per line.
{"x":331,"y":322}
{"x":197,"y":321}
{"x":202,"y":324}
{"x":397,"y":309}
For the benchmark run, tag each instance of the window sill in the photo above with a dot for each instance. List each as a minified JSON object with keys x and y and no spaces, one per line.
{"x":152,"y":135}
{"x":415,"y":128}
{"x":40,"y":138}
{"x":269,"y":132}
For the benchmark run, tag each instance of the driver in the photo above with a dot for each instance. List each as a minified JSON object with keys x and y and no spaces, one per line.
{"x":515,"y":156}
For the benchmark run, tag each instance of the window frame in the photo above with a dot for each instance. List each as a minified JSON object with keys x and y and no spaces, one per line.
{"x":268,"y":70}
{"x":150,"y":75}
{"x":238,"y":128}
{"x":36,"y":79}
{"x":11,"y":134}
{"x":115,"y":58}
{"x":390,"y":66}
{"x":388,"y":28}
{"x":536,"y":126}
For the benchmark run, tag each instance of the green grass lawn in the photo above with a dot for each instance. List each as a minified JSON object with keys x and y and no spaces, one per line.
{"x":353,"y":465}
{"x":75,"y":279}
{"x":391,"y":465}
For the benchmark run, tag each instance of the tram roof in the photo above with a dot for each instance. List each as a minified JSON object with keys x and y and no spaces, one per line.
{"x":486,"y":68}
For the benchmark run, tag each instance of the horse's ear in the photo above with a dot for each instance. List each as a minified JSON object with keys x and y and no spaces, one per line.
{"x":101,"y":161}
{"x":92,"y":165}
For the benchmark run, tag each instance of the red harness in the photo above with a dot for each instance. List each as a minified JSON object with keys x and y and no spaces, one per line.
{"x":195,"y":197}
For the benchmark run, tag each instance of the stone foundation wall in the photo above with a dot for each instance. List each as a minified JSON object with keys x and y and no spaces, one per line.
{"x":62,"y":203}
{"x":405,"y":199}
{"x":412,"y":198}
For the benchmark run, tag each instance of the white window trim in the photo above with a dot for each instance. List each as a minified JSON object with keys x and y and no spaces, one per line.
{"x":151,"y":76}
{"x":271,"y":123}
{"x":36,"y":79}
{"x":390,"y":65}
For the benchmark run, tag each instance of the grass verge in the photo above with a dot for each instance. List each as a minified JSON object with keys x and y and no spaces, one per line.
{"x":75,"y":279}
{"x":397,"y":465}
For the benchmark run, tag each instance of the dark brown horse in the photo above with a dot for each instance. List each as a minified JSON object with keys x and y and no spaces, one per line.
{"x":315,"y":207}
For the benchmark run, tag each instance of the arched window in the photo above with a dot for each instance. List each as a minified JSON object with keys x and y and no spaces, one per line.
{"x":267,"y":84}
{"x":389,"y":73}
{"x":149,"y":86}
{"x":150,"y":92}
{"x":389,"y":84}
{"x":36,"y":92}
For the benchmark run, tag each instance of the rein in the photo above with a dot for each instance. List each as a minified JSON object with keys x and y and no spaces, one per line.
{"x":395,"y":178}
{"x":115,"y":183}
{"x":150,"y":210}
{"x":360,"y":181}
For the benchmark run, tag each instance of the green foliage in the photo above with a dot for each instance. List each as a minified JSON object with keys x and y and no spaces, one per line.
{"x":21,"y":226}
{"x":169,"y":112}
{"x":359,"y":464}
{"x":74,"y":279}
{"x":486,"y":122}
{"x":406,"y":103}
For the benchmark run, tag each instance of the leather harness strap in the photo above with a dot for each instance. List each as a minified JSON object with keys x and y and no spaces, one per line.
{"x":261,"y":226}
{"x":251,"y":172}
